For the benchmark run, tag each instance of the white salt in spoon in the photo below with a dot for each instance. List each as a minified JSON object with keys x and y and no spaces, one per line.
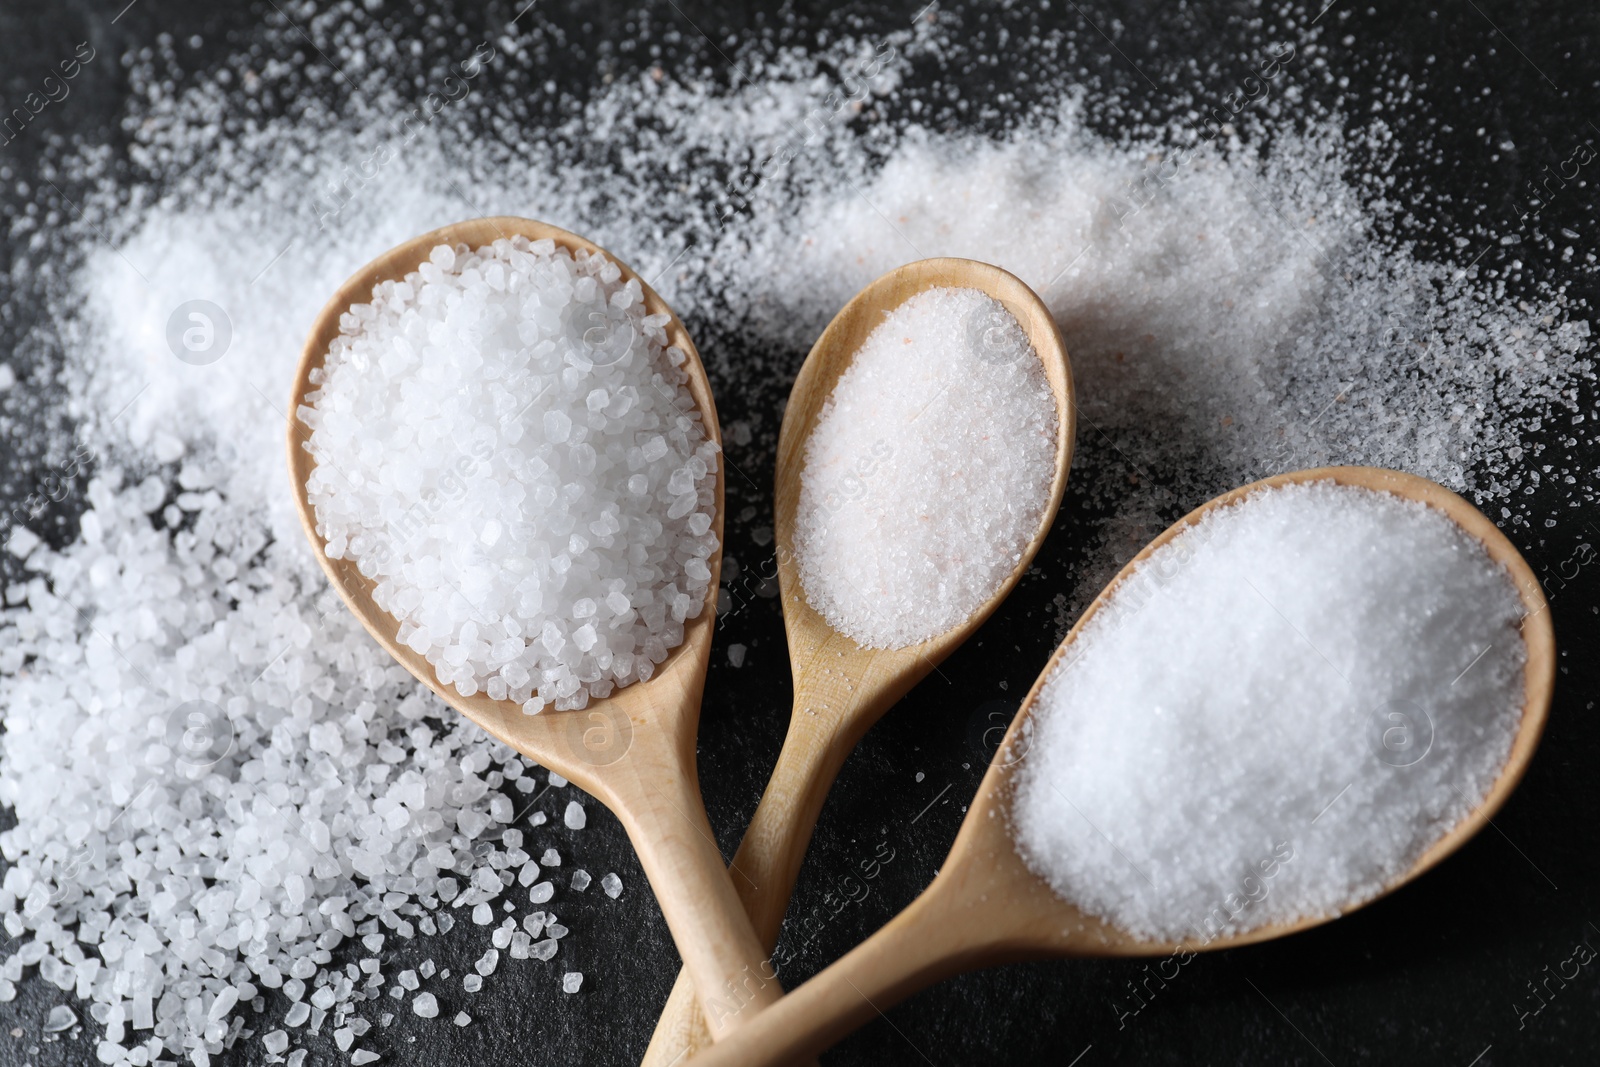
{"x":840,"y":688}
{"x":634,"y":750}
{"x":987,"y":907}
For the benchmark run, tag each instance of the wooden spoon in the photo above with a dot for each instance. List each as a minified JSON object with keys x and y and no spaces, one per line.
{"x":986,"y":907}
{"x":840,"y":688}
{"x":634,"y":750}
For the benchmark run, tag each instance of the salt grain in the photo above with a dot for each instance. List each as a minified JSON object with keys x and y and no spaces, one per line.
{"x":574,"y":816}
{"x":612,"y":885}
{"x":572,"y":981}
{"x":425,"y":1005}
{"x":1338,"y":677}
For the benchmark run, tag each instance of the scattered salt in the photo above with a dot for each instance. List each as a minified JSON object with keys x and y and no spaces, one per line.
{"x":1339,"y":680}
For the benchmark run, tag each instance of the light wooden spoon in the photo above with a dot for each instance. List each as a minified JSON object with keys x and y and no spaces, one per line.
{"x":634,"y":750}
{"x":986,"y":907}
{"x":840,"y":688}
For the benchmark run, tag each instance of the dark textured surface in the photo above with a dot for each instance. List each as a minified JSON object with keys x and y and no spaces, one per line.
{"x":1438,"y":973}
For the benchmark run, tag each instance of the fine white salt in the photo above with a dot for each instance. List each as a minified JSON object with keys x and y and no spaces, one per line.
{"x":1274,"y":716}
{"x":927,"y":472}
{"x":506,"y":444}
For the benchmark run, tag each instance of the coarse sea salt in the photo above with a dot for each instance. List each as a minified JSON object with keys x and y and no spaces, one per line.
{"x":506,"y":445}
{"x":927,"y":472}
{"x":1273,"y":716}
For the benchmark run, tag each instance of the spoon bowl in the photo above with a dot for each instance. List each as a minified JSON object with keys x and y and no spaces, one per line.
{"x":633,"y":750}
{"x":987,"y":907}
{"x":841,"y":688}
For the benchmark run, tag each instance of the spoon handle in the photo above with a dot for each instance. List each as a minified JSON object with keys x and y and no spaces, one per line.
{"x":658,"y":803}
{"x":924,"y":944}
{"x":765,"y":868}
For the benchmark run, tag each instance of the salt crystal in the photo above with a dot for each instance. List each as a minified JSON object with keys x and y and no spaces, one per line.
{"x":472,"y":982}
{"x":551,"y":858}
{"x":462,"y":1018}
{"x":580,"y":880}
{"x":541,"y":893}
{"x":425,"y":1004}
{"x":276,"y":1042}
{"x":612,"y":885}
{"x":574,"y":817}
{"x":487,"y":962}
{"x":572,"y":981}
{"x":360,"y":1057}
{"x":60,"y":1018}
{"x":1378,"y":642}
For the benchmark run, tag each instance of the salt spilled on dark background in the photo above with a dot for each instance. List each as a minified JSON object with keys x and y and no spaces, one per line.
{"x":1302,"y":285}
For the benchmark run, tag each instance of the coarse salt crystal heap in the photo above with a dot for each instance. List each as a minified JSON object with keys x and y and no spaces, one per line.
{"x":927,"y":472}
{"x":506,"y":444}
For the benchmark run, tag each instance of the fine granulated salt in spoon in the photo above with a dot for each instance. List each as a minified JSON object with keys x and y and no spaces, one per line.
{"x":504,"y":452}
{"x":923,"y":456}
{"x":1301,"y":696}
